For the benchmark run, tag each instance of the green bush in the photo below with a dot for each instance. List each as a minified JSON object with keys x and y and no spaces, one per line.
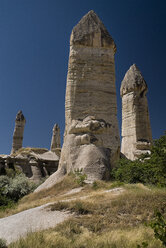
{"x":18,"y":187}
{"x":150,"y":169}
{"x":80,"y":177}
{"x":158,"y":224}
{"x":12,"y":189}
{"x":4,"y":181}
{"x":3,"y":243}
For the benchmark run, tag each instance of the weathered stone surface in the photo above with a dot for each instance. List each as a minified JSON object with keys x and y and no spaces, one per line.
{"x":35,"y":163}
{"x":136,"y":130}
{"x":56,"y":140}
{"x":91,"y":138}
{"x":18,"y":132}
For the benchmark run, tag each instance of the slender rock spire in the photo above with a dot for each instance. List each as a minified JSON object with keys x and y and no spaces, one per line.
{"x":136,"y":130}
{"x":18,"y":132}
{"x":55,"y":142}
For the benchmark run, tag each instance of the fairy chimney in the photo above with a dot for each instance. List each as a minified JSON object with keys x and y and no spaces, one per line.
{"x":91,"y":138}
{"x":18,"y":132}
{"x":136,"y":130}
{"x":55,"y":142}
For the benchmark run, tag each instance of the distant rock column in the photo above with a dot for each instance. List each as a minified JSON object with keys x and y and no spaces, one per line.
{"x":18,"y":132}
{"x":136,"y":130}
{"x":91,"y":139}
{"x":55,"y":142}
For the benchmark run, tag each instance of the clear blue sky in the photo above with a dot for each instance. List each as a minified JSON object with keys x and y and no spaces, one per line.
{"x":34,"y":49}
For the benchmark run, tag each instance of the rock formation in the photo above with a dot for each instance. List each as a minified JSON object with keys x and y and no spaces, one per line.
{"x":136,"y":130}
{"x":35,"y":163}
{"x":18,"y":132}
{"x":91,"y":138}
{"x":56,"y":140}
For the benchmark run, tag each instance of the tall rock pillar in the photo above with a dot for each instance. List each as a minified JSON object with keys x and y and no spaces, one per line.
{"x":18,"y":132}
{"x":55,"y":142}
{"x":136,"y":130}
{"x":91,"y":139}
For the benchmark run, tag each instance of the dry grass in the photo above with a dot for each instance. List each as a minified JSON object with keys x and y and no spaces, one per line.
{"x":102,"y":220}
{"x":76,"y":237}
{"x":102,"y":213}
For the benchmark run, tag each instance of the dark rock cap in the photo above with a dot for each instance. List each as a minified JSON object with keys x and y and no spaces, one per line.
{"x":84,"y":32}
{"x":20,"y":116}
{"x":133,"y":82}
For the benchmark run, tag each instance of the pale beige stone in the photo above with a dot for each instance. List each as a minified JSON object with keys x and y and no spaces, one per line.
{"x":56,"y":140}
{"x":136,"y":130}
{"x":18,"y":132}
{"x":91,"y":138}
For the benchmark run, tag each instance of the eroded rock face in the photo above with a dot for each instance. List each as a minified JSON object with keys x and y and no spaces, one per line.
{"x":91,"y":140}
{"x":136,"y":130}
{"x":18,"y":132}
{"x":56,"y":140}
{"x":35,"y":163}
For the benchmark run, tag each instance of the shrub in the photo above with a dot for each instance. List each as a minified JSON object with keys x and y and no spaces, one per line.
{"x":12,"y":172}
{"x":95,"y":185}
{"x":4,"y":181}
{"x":148,"y":170}
{"x":80,"y":177}
{"x":5,"y":201}
{"x":3,"y":243}
{"x":143,"y":245}
{"x":158,"y":225}
{"x":12,"y":189}
{"x":18,"y":187}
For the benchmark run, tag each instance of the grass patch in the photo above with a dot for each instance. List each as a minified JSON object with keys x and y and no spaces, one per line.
{"x":76,"y":237}
{"x":78,"y":207}
{"x":109,"y":211}
{"x":97,"y":185}
{"x":103,"y":220}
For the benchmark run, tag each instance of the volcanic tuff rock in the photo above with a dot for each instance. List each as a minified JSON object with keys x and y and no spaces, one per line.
{"x":91,"y":138}
{"x":35,"y":163}
{"x":55,"y":142}
{"x":136,"y":130}
{"x":18,"y":132}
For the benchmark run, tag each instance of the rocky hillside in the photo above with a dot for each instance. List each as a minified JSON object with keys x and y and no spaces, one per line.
{"x":103,"y":214}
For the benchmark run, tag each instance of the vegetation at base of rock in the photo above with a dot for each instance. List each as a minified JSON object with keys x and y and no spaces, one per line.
{"x":148,"y":169}
{"x":3,"y":243}
{"x":80,"y":177}
{"x":35,"y":199}
{"x":13,"y":188}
